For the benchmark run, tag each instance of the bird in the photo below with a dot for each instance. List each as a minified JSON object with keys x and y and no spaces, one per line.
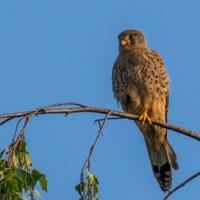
{"x":141,"y":85}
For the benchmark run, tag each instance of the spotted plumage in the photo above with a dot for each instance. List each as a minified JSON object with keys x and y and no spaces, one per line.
{"x":141,"y":86}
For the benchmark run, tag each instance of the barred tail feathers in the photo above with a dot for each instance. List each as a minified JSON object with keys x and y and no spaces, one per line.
{"x":161,"y":167}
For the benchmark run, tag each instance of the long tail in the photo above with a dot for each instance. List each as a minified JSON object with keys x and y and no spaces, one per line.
{"x":162,"y":162}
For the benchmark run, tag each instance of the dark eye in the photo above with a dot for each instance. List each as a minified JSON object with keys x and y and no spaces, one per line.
{"x":132,"y":36}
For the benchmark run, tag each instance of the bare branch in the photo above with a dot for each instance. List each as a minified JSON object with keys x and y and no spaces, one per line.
{"x":181,"y":185}
{"x":82,"y":108}
{"x":64,"y":104}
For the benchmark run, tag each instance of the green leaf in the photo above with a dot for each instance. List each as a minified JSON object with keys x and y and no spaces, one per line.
{"x":93,"y":179}
{"x":96,"y":190}
{"x":13,"y":185}
{"x":19,"y":173}
{"x":96,"y":180}
{"x":79,"y":188}
{"x":92,"y":185}
{"x":9,"y":174}
{"x":15,"y":160}
{"x":43,"y":183}
{"x":21,"y":146}
{"x":35,"y":175}
{"x":3,"y":164}
{"x":36,"y":192}
{"x":28,"y":183}
{"x":9,"y":148}
{"x":20,"y":185}
{"x":28,"y":160}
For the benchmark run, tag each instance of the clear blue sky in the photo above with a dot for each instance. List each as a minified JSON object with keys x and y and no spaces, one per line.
{"x":55,"y":51}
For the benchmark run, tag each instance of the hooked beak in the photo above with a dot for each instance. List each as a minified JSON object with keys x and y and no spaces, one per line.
{"x":124,"y":42}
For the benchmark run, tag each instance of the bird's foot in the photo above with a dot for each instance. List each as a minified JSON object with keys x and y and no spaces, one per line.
{"x":144,"y":117}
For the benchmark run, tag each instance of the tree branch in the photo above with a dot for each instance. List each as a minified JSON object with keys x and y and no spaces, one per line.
{"x":181,"y":185}
{"x":81,"y":108}
{"x":77,"y":108}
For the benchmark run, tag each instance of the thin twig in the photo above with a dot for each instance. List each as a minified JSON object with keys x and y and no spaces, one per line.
{"x":110,"y":118}
{"x":6,"y":120}
{"x":21,"y":135}
{"x":87,"y":162}
{"x":97,"y":138}
{"x":181,"y":185}
{"x":64,"y":104}
{"x":16,"y":129}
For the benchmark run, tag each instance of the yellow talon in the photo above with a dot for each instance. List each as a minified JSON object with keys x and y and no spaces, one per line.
{"x":144,"y":117}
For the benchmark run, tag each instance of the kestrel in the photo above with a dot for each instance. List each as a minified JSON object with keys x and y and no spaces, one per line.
{"x":141,"y":85}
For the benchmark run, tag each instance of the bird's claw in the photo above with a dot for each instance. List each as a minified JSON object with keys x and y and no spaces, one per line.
{"x":144,"y":117}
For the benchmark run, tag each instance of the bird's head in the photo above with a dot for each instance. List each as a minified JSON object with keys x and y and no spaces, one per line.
{"x":131,"y":39}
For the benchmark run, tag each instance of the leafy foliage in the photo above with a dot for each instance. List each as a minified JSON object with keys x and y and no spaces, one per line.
{"x":16,"y":176}
{"x":89,"y":190}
